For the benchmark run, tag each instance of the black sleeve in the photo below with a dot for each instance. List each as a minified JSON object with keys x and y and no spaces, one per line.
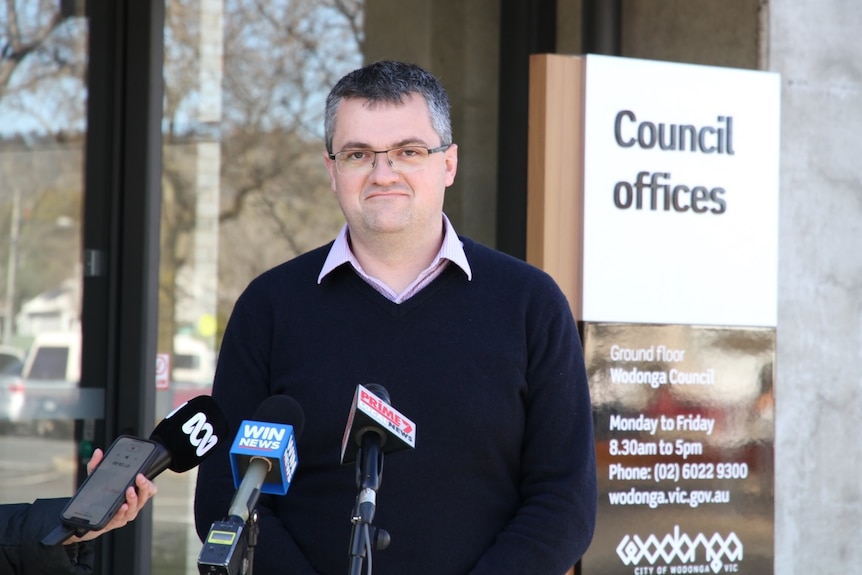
{"x":22,"y":527}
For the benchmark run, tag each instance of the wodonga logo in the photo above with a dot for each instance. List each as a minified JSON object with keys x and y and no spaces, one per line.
{"x":200,"y":432}
{"x":721,"y":554}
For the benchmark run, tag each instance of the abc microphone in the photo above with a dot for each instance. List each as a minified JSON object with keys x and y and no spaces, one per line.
{"x":263,"y":459}
{"x":187,"y":435}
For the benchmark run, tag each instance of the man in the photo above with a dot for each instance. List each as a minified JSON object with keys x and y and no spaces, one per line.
{"x":22,"y":527}
{"x":479,"y":349}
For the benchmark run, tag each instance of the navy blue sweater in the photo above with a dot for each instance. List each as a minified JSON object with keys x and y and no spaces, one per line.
{"x":502,"y":479}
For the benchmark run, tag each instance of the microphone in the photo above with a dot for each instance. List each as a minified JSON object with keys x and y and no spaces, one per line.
{"x":183,"y":439}
{"x":371,"y":412}
{"x":263,"y":455}
{"x":187,"y":435}
{"x":263,"y":459}
{"x":374,"y":427}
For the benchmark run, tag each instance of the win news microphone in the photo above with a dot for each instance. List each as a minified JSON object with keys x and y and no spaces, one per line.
{"x":263,"y":459}
{"x":183,"y":439}
{"x":374,"y":427}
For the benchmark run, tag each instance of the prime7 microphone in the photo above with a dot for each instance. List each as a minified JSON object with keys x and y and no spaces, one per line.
{"x":371,"y":412}
{"x":263,"y":459}
{"x":374,"y":427}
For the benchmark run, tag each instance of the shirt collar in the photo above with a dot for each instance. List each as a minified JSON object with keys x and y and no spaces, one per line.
{"x":452,"y":250}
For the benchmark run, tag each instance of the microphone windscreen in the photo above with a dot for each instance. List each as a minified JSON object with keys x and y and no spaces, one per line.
{"x":191,"y":432}
{"x":379,"y":391}
{"x":281,"y":409}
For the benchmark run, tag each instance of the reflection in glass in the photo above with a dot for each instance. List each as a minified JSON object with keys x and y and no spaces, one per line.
{"x":244,"y":186}
{"x":684,"y":425}
{"x":42,"y":132}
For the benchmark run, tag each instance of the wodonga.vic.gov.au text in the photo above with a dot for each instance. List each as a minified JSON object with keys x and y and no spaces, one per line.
{"x":676,"y":496}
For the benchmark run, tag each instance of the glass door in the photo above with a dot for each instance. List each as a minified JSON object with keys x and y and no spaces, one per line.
{"x":43,"y":62}
{"x":244,"y":187}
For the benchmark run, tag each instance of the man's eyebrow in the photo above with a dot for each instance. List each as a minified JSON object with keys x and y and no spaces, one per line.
{"x":357,"y":145}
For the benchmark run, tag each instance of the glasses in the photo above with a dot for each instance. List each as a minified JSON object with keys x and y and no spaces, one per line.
{"x":401,"y":160}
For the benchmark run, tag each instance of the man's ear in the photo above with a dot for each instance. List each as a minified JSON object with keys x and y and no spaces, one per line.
{"x":451,"y":160}
{"x":330,"y":168}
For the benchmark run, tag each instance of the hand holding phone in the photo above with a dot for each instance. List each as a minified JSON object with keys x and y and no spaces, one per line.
{"x":103,"y":492}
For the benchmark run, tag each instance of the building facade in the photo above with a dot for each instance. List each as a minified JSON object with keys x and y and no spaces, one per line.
{"x":181,"y":200}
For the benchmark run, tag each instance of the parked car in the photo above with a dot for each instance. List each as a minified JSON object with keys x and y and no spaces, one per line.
{"x":43,"y":396}
{"x":49,"y":377}
{"x":10,"y":356}
{"x":11,"y":387}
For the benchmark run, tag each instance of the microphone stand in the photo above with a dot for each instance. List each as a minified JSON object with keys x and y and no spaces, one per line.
{"x":253,"y":528}
{"x":235,"y":555}
{"x":364,"y":537}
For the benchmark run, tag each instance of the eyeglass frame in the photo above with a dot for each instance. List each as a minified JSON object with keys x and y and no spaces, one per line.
{"x":332,"y":156}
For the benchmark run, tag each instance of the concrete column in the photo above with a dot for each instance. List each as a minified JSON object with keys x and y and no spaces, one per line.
{"x":816,"y":47}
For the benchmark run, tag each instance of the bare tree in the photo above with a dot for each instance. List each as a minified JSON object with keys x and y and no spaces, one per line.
{"x":280,"y":57}
{"x":42,"y":66}
{"x":42,"y":116}
{"x":278,"y":60}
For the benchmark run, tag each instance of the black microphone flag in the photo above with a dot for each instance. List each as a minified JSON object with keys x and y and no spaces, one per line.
{"x":188,"y":435}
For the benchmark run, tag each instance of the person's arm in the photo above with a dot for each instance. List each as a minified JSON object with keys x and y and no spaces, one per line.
{"x":554,"y":525}
{"x":241,"y":385}
{"x":136,"y":498}
{"x":22,"y":527}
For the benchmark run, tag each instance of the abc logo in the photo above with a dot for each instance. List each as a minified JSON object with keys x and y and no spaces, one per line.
{"x":200,"y":433}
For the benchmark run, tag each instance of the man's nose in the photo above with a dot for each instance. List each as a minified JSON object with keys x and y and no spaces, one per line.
{"x":385,"y":162}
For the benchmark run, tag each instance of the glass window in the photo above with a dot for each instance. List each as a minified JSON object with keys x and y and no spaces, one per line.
{"x":43,"y":62}
{"x":244,"y":185}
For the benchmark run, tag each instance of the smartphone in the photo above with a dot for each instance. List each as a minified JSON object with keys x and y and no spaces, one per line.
{"x":104,"y":490}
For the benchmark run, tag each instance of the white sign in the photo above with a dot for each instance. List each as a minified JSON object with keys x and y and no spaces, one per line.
{"x":680,"y":193}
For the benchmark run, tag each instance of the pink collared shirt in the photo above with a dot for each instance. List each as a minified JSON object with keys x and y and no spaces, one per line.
{"x":452,"y":250}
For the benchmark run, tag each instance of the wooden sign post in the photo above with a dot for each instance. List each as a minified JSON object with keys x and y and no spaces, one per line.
{"x":653,"y":201}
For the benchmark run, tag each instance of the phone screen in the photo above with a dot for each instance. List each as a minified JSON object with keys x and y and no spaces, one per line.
{"x":104,"y":490}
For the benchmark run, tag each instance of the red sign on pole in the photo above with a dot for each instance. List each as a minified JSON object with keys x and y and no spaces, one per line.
{"x":163,"y":371}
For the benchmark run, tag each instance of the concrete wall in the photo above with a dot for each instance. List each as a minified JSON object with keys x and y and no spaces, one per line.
{"x":817,"y":48}
{"x":459,"y":42}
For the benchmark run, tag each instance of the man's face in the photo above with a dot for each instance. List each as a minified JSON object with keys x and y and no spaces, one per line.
{"x":384,"y":201}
